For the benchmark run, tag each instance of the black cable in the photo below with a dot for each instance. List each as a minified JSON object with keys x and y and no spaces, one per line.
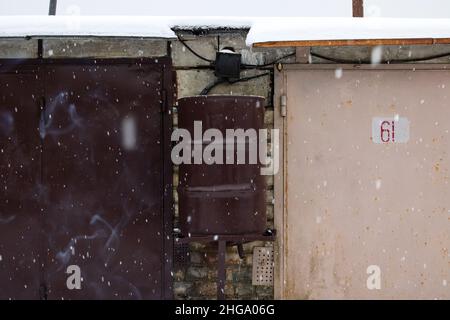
{"x":193,"y":52}
{"x":338,"y":60}
{"x":249,"y":78}
{"x":317,"y":55}
{"x":436,"y":56}
{"x":212,"y":85}
{"x":243,"y":64}
{"x":52,"y":8}
{"x":335,"y":60}
{"x":223,"y":80}
{"x":268,"y":63}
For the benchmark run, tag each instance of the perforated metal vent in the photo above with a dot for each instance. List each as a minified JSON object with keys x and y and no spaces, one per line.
{"x":262,"y":266}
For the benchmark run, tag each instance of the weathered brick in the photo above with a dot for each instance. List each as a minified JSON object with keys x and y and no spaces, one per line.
{"x":232,"y":257}
{"x":175,"y":119}
{"x":175,"y":181}
{"x":248,"y":259}
{"x":178,"y":275}
{"x":270,"y":196}
{"x":244,"y":291}
{"x":182,"y":289}
{"x":248,"y":247}
{"x":212,"y":273}
{"x":268,"y":117}
{"x":197,"y":257}
{"x":270,"y":212}
{"x":197,"y":246}
{"x":269,"y":181}
{"x":195,"y":273}
{"x":207,"y":289}
{"x":264,"y":292}
{"x":240,"y":274}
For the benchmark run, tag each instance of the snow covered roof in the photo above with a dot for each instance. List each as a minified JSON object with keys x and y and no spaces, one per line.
{"x":130,"y":26}
{"x":330,"y":29}
{"x":285,"y":30}
{"x":114,"y":26}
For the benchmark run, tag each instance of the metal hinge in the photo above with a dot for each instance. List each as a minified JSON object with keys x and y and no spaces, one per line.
{"x":283,"y":105}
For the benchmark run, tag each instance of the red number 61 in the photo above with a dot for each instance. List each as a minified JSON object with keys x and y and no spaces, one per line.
{"x":387,"y":131}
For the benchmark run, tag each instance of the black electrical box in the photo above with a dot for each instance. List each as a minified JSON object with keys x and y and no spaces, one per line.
{"x":228,"y":65}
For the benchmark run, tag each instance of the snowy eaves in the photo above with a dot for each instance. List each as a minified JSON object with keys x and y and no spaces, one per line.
{"x":262,"y":30}
{"x":111,"y":26}
{"x":333,"y":29}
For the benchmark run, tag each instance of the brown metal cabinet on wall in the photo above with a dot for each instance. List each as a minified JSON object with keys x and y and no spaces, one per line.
{"x":96,"y":196}
{"x":365,"y":182}
{"x":219,"y":199}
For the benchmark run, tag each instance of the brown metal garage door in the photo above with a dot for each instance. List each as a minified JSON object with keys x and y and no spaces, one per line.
{"x":366,"y":182}
{"x":99,"y":181}
{"x":20,"y":187}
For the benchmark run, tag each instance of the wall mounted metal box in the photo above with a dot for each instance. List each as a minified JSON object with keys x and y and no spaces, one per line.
{"x":222,"y":198}
{"x":228,"y":65}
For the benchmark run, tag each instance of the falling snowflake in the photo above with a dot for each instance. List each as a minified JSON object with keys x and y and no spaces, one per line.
{"x":376,"y":55}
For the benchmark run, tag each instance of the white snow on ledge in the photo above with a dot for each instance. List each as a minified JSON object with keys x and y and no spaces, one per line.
{"x":303,"y":29}
{"x":114,"y":26}
{"x":118,"y":26}
{"x":262,"y":29}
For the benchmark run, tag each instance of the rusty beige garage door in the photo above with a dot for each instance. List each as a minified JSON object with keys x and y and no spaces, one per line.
{"x":366,"y":210}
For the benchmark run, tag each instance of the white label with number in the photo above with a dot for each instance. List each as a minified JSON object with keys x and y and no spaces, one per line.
{"x":390,"y":130}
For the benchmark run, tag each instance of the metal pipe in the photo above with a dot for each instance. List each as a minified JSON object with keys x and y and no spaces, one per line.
{"x":358,"y":8}
{"x":221,"y":272}
{"x":52,"y":8}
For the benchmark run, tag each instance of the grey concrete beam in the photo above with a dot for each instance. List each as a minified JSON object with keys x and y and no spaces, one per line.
{"x":103,"y":48}
{"x":206,"y":46}
{"x":18,"y":48}
{"x":361,"y":53}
